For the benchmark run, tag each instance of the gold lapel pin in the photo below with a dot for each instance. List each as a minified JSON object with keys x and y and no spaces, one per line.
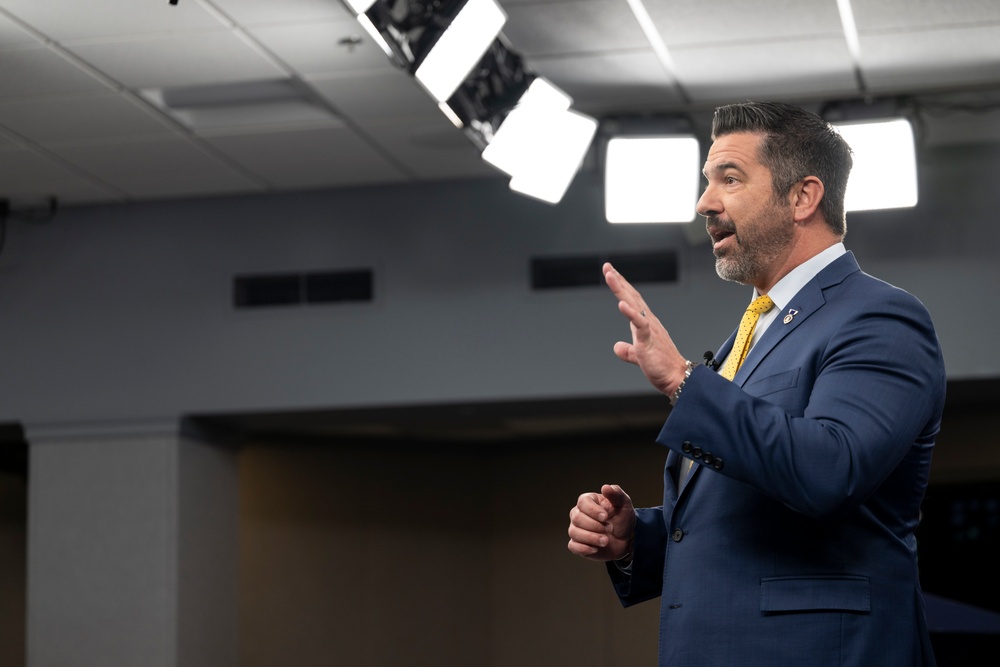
{"x":791,"y":313}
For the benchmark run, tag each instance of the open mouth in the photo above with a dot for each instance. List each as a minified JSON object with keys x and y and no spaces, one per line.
{"x":720,"y":234}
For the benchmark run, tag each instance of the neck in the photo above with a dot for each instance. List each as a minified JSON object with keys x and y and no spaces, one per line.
{"x":802,"y":249}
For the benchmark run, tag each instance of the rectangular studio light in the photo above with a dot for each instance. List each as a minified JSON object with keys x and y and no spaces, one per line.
{"x":558,"y":156}
{"x":460,"y":47}
{"x":541,"y":143}
{"x":885,"y":164}
{"x":651,"y":179}
{"x":512,"y":147}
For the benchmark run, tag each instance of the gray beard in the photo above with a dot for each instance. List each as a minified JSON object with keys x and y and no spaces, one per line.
{"x":740,"y":270}
{"x":750,"y":261}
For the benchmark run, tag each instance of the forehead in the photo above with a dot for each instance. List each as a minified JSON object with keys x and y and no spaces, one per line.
{"x":738,"y":150}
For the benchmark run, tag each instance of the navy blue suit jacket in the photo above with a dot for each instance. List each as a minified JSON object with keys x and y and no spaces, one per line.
{"x":792,"y":542}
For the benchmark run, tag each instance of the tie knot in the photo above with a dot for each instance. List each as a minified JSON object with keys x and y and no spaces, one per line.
{"x":760,"y":305}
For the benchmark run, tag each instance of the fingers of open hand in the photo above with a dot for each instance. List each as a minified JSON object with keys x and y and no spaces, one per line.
{"x":623,"y":289}
{"x":617,"y":282}
{"x":638,"y":316}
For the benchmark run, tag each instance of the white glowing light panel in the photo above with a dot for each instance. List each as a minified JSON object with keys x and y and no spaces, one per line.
{"x":541,"y":143}
{"x":513,"y":147}
{"x":651,"y":179}
{"x":885,"y":165}
{"x":460,"y":47}
{"x":558,"y":154}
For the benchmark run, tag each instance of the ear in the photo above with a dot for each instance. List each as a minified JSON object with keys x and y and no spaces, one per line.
{"x":805,"y":198}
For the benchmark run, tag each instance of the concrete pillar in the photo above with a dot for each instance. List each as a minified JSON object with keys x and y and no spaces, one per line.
{"x":132,"y":548}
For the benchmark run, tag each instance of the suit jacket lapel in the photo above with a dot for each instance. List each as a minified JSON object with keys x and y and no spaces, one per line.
{"x":670,"y":491}
{"x":806,"y":302}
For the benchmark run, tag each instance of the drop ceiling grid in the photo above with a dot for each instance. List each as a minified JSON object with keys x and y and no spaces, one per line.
{"x":70,"y":73}
{"x":51,"y":120}
{"x":29,"y":177}
{"x":65,"y":20}
{"x":145,"y":167}
{"x":309,"y":158}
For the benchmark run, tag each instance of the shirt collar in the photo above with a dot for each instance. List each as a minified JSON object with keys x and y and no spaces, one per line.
{"x":796,"y":279}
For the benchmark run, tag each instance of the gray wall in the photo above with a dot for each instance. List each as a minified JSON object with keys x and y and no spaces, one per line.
{"x":124,"y":313}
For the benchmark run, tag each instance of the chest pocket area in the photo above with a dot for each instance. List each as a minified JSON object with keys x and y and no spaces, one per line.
{"x":822,"y":593}
{"x":773,"y":383}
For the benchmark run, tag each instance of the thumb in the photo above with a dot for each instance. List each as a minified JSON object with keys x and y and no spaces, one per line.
{"x":615,"y":495}
{"x":625,"y":352}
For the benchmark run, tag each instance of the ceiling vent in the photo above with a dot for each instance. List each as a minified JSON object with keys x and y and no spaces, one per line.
{"x":268,"y":102}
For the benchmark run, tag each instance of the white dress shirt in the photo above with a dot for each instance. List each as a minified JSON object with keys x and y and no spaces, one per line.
{"x":789,"y":286}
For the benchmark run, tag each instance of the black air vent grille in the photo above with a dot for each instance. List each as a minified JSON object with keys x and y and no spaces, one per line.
{"x":289,"y":289}
{"x":585,"y":270}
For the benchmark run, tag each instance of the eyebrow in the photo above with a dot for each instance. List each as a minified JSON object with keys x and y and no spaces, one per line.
{"x":723,"y":166}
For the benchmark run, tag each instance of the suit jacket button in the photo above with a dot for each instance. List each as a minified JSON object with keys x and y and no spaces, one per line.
{"x":708,"y":458}
{"x":696,"y":452}
{"x":677,"y":535}
{"x":717,"y":464}
{"x":686,"y":447}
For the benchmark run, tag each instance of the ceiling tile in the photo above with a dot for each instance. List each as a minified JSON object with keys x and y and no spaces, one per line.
{"x":611,"y":80}
{"x":250,"y":12}
{"x":432,"y":148}
{"x":376,"y":96}
{"x":154,"y":167}
{"x":76,"y":19}
{"x":184,"y":59}
{"x":939,"y":58}
{"x":682,"y":22}
{"x":583,"y":26}
{"x":28,"y":176}
{"x":183,"y":184}
{"x":323,"y":157}
{"x":785,"y":69}
{"x":7,"y":142}
{"x":315,"y":48}
{"x":36,"y":70}
{"x":53,"y":119}
{"x":12,"y":34}
{"x":916,"y":14}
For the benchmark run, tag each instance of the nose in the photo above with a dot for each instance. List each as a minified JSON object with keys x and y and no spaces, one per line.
{"x":708,"y":203}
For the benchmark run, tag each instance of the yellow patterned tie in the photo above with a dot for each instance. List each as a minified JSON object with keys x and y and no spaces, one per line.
{"x":734,"y":360}
{"x":741,"y":347}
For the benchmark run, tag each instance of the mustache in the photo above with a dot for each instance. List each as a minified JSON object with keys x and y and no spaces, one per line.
{"x":720,"y":224}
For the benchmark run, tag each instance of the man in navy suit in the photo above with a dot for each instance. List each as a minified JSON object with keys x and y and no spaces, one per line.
{"x":792,"y":492}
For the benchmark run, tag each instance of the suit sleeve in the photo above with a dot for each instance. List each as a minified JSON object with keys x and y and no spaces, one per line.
{"x":870,"y":389}
{"x":646,"y":579}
